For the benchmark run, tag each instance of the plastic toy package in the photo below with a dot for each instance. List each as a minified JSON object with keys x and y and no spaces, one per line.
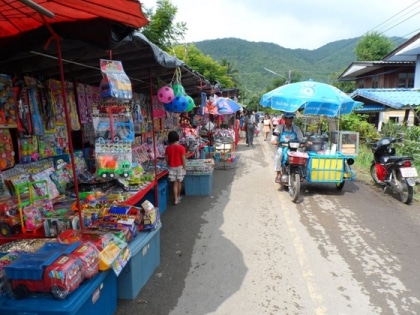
{"x":113,"y":159}
{"x":117,"y":127}
{"x":115,"y":83}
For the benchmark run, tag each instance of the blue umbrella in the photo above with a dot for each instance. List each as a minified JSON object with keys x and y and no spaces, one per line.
{"x":226,"y":106}
{"x":313,"y":97}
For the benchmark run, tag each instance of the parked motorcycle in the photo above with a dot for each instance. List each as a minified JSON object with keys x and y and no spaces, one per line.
{"x":293,"y":168}
{"x":392,"y":171}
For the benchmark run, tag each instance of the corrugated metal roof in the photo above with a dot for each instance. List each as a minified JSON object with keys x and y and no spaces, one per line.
{"x":359,"y":69}
{"x":370,"y":108}
{"x":394,"y":98}
{"x":408,"y":51}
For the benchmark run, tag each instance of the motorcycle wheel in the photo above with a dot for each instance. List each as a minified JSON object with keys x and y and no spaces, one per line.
{"x":406,"y":191}
{"x":374,"y":176}
{"x":294,"y":188}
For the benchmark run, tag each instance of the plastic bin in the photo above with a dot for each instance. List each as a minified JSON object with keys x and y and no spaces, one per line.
{"x":94,"y":296}
{"x":162,"y":196}
{"x":145,"y":257}
{"x":326,"y":168}
{"x":198,"y":184}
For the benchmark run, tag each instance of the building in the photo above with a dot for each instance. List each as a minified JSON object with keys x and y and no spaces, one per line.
{"x":390,"y":88}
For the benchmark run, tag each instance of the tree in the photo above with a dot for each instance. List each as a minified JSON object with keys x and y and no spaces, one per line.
{"x":162,"y":29}
{"x":231,"y":71}
{"x":373,"y":46}
{"x":345,"y":86}
{"x":207,"y":66}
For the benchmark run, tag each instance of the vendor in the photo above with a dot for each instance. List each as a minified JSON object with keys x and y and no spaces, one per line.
{"x":284,"y":133}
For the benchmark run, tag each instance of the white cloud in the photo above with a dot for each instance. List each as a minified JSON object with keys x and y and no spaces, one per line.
{"x":295,"y":23}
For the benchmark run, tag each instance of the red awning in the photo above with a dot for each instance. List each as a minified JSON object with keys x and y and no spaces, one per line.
{"x":17,"y":18}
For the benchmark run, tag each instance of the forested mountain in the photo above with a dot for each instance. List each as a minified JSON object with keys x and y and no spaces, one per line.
{"x":250,"y":59}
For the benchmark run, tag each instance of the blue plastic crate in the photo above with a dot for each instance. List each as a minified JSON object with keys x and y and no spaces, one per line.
{"x":94,"y":296}
{"x":145,"y":257}
{"x":198,"y":184}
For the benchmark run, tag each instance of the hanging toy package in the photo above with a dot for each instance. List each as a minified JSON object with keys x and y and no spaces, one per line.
{"x":115,"y":83}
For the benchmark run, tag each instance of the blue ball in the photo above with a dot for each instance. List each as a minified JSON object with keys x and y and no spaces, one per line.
{"x":180,"y":104}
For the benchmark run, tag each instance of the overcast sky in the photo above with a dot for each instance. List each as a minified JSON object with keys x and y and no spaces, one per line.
{"x":307,"y":24}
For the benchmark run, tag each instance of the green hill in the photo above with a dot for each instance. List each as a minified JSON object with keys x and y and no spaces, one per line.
{"x":250,"y":59}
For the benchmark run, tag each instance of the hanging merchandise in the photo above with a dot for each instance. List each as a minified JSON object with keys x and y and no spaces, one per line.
{"x":37,"y":125}
{"x":82,"y":104}
{"x":8,"y":116}
{"x":24,"y":119}
{"x":178,"y":89}
{"x":45,"y":107}
{"x":113,"y":158}
{"x":165,"y":94}
{"x":115,"y":83}
{"x":71,"y":101}
{"x":57,"y":102}
{"x":7,"y":154}
{"x":92,"y":98}
{"x":180,"y":104}
{"x":190,"y":103}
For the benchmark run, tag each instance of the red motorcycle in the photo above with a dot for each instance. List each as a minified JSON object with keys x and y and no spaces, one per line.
{"x":392,"y":171}
{"x":293,"y":167}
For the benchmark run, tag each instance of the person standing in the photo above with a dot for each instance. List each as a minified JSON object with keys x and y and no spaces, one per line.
{"x":237,"y":127}
{"x":274,"y":121}
{"x":250,"y":128}
{"x":176,"y":158}
{"x":242,"y":132}
{"x":267,"y":127}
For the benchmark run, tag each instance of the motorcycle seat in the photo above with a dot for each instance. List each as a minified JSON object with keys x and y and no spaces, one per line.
{"x":393,"y":159}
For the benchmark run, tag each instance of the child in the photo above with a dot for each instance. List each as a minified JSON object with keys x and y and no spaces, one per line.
{"x":175,"y":155}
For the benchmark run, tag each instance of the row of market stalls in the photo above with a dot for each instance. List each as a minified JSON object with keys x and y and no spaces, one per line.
{"x":48,"y":48}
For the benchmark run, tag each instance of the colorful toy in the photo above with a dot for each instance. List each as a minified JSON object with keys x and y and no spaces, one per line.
{"x":55,"y":273}
{"x":108,"y":166}
{"x":9,"y":218}
{"x":165,"y":94}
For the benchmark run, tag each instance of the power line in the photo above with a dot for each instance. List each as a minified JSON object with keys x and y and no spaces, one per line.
{"x":396,"y":14}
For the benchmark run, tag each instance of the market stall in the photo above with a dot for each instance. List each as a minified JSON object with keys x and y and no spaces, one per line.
{"x":49,"y":191}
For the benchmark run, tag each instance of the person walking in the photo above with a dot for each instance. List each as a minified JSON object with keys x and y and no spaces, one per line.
{"x":250,"y":128}
{"x":267,"y":127}
{"x":176,"y":157}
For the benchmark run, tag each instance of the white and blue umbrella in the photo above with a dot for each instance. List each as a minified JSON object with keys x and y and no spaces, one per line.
{"x":226,"y":106}
{"x":313,"y":97}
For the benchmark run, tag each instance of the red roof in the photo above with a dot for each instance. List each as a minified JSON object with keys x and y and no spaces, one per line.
{"x":17,"y":18}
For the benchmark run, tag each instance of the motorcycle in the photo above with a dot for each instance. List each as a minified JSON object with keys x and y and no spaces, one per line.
{"x":293,"y":167}
{"x":392,"y":171}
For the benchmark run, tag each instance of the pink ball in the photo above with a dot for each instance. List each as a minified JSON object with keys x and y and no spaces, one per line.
{"x":165,"y":94}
